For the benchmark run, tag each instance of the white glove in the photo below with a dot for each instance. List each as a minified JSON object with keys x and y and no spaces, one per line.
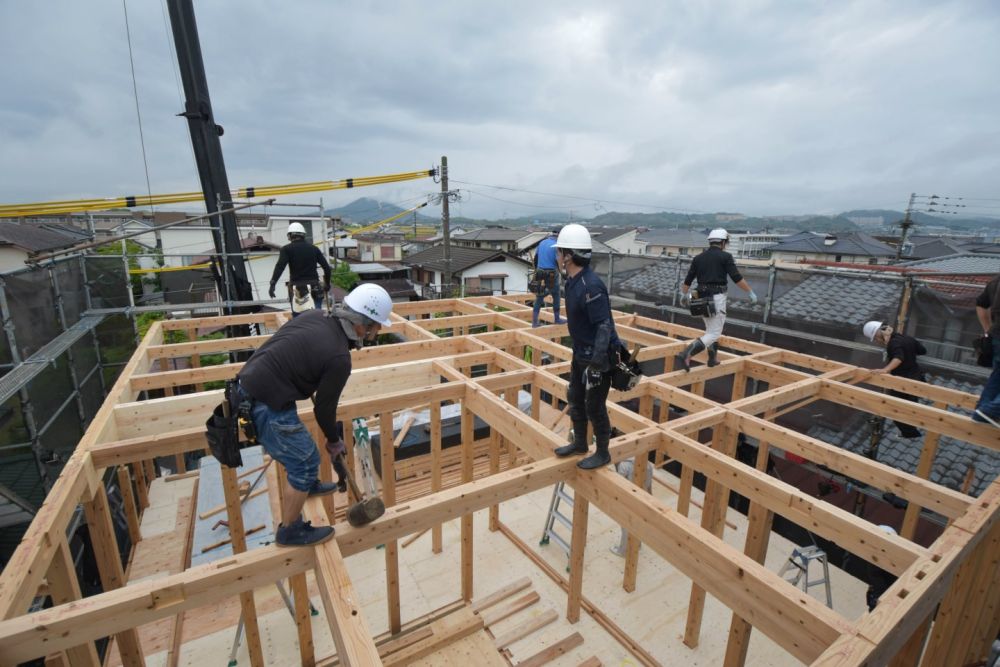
{"x":685,"y":298}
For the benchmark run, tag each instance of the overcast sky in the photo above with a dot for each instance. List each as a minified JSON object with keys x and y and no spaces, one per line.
{"x":752,"y":106}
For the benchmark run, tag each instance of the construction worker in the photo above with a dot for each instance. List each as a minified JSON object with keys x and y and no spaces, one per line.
{"x":303,"y":282}
{"x":988,"y":312}
{"x":878,"y":580}
{"x":310,"y":356}
{"x":588,"y":310}
{"x":901,"y":356}
{"x":547,"y":276}
{"x":711,"y":268}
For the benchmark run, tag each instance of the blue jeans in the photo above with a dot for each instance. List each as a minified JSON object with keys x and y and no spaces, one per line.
{"x":989,"y":401}
{"x":286,"y":439}
{"x":551,"y":287}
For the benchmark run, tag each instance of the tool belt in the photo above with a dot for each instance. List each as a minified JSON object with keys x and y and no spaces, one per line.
{"x":222,"y":429}
{"x":625,"y":371}
{"x":302,"y":295}
{"x":702,"y":306}
{"x":542,"y":280}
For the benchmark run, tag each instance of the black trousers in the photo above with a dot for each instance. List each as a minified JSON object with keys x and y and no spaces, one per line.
{"x":906,"y":430}
{"x":589,"y":405}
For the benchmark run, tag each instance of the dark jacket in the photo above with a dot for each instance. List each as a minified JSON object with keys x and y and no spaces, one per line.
{"x":990,"y":299}
{"x":301,"y":257}
{"x":711,"y":268}
{"x":309,"y":355}
{"x":906,"y":349}
{"x":587,"y":306}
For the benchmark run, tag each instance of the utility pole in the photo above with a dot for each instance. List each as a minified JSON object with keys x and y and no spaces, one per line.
{"x":905,"y":224}
{"x":205,"y":134}
{"x":445,"y":229}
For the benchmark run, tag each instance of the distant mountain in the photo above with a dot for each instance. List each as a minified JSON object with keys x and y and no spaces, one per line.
{"x":368,"y":210}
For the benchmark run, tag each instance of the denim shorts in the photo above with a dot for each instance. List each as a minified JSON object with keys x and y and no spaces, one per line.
{"x":286,"y":439}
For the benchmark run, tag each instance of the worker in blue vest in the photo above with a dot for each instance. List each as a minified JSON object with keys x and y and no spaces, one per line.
{"x":547,"y":278}
{"x":592,"y":329}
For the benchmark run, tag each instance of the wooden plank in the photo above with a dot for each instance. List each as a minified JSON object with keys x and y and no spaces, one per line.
{"x":576,"y":564}
{"x":509,"y":608}
{"x":550,"y":653}
{"x":400,"y":643}
{"x":467,"y":536}
{"x":128,"y":501}
{"x":528,"y":627}
{"x":388,"y":454}
{"x":64,"y":588}
{"x":445,"y":631}
{"x":592,"y":661}
{"x":435,"y":434}
{"x":500,"y":595}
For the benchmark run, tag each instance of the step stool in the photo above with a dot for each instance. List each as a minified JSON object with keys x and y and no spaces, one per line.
{"x":800,"y":560}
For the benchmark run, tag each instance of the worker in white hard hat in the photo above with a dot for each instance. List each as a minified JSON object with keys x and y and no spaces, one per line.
{"x":878,"y":580}
{"x":310,"y":356}
{"x":712,"y":268}
{"x":304,"y":288}
{"x":588,"y":310}
{"x":901,"y":354}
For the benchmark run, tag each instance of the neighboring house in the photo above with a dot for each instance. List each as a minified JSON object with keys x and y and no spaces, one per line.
{"x":624,"y":240}
{"x":852,"y":248}
{"x":379,"y":247}
{"x":674,"y":242}
{"x":749,"y":245}
{"x":473,"y":270}
{"x":259,"y":268}
{"x":964,"y":263}
{"x":495,"y":237}
{"x":19,"y":241}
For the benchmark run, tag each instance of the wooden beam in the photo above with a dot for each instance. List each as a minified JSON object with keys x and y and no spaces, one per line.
{"x":64,"y":588}
{"x":550,"y":653}
{"x":530,"y":626}
{"x":216,"y":346}
{"x":468,"y":437}
{"x":387,"y":454}
{"x":237,"y":535}
{"x":576,"y":554}
{"x":500,"y":595}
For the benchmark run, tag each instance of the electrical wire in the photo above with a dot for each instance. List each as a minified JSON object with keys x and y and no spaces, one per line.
{"x":517,"y":203}
{"x":138,"y":114}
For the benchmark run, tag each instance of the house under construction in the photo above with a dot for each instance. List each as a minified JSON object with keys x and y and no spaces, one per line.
{"x":474,"y":374}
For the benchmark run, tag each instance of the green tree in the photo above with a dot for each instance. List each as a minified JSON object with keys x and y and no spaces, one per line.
{"x":343,"y":277}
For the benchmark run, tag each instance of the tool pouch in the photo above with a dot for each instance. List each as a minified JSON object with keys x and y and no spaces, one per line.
{"x":222,"y":429}
{"x":703,"y":306}
{"x":625,"y":373}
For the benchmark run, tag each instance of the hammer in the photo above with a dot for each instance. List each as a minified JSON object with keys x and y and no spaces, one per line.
{"x":365,"y":510}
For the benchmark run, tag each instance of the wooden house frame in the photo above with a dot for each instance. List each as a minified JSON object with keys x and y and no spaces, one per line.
{"x":944,"y":608}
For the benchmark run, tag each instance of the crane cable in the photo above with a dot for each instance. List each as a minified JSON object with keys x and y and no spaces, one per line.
{"x":131,"y":201}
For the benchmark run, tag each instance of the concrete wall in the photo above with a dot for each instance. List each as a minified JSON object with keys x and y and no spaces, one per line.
{"x":11,"y":259}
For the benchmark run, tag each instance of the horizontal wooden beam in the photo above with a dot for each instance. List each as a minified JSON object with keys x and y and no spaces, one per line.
{"x":68,"y":625}
{"x":200,"y":347}
{"x":790,"y":617}
{"x":926,"y":494}
{"x":187,"y":324}
{"x":187,"y":376}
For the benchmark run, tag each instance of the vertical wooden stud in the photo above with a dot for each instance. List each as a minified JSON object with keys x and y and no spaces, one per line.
{"x":578,"y":542}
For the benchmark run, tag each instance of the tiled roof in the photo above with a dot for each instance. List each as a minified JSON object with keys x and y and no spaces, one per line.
{"x":842,"y":299}
{"x":961,"y":263}
{"x":953,"y":458}
{"x":33,"y":239}
{"x":845,"y":244}
{"x":493,"y":234}
{"x":659,"y":280}
{"x":461,"y":258}
{"x":683,"y":238}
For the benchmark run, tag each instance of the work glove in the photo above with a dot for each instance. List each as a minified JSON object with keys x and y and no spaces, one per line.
{"x":685,"y":298}
{"x":335,"y":448}
{"x":753,"y":298}
{"x":270,"y":291}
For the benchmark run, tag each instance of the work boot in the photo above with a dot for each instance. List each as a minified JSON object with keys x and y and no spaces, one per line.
{"x":302,"y":534}
{"x":684,"y":358}
{"x":578,"y":443}
{"x":534,"y":320}
{"x":321,"y":488}
{"x":341,"y":486}
{"x":713,"y":354}
{"x":559,"y":320}
{"x":599,"y":458}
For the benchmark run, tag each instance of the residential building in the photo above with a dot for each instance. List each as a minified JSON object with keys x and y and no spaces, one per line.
{"x":673,"y":242}
{"x":380,"y":247}
{"x":624,"y":240}
{"x":19,"y":241}
{"x":499,"y":238}
{"x":851,"y":248}
{"x":473,"y":271}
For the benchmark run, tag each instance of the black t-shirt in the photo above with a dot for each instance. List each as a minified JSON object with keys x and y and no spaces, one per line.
{"x":906,"y":349}
{"x":301,"y":257}
{"x":990,"y":298}
{"x":711,"y":268}
{"x":309,"y":355}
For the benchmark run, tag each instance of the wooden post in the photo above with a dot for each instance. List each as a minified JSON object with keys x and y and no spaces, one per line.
{"x":128,"y":499}
{"x":349,"y":446}
{"x":927,"y":454}
{"x":192,"y":335}
{"x":150,"y":467}
{"x":139,"y":473}
{"x":388,"y":458}
{"x":713,"y":520}
{"x":639,"y":470}
{"x":468,"y":436}
{"x":303,"y":623}
{"x":237,"y":534}
{"x":325,"y":473}
{"x":109,"y":564}
{"x":436,"y":468}
{"x":577,"y":545}
{"x":536,"y":392}
{"x":758,"y":537}
{"x":494,"y":521}
{"x":64,"y":587}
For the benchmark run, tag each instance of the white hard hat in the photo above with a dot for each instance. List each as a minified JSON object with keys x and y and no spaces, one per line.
{"x":719,"y":234}
{"x":871,"y":328}
{"x":574,"y":237}
{"x":296,"y":228}
{"x":888,"y":530}
{"x":372,"y":301}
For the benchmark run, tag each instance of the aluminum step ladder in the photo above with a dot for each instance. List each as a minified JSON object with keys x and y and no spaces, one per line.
{"x":800,"y":560}
{"x":559,"y":496}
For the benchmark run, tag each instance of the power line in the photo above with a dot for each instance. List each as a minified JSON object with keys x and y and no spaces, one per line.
{"x":138,"y":115}
{"x":517,"y":203}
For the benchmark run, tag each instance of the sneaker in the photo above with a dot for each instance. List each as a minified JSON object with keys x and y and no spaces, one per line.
{"x":321,"y":488}
{"x":981,"y":416}
{"x":302,"y":534}
{"x":560,"y":320}
{"x":570,"y":450}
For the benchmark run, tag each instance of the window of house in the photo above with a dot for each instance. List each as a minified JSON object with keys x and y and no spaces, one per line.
{"x":387,"y":252}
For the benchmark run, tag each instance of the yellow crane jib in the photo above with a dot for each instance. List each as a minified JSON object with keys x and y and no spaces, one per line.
{"x":81,"y":205}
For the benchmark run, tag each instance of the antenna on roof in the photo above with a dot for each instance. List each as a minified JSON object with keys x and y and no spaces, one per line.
{"x":905,"y":223}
